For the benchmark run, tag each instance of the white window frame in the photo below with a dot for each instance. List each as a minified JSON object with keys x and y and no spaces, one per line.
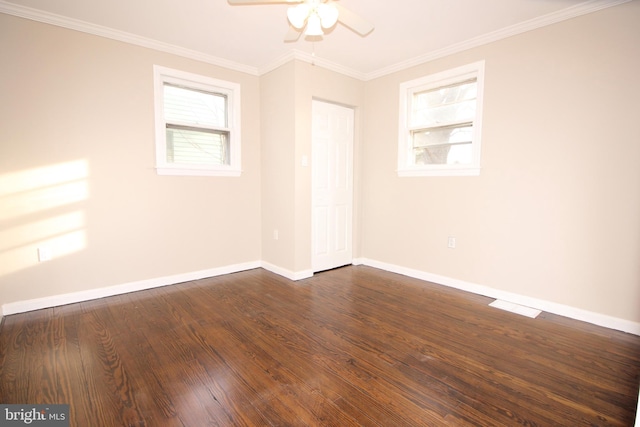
{"x":164,"y":75}
{"x":445,"y":78}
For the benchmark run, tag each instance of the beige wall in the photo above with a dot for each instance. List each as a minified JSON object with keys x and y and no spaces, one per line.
{"x":77,"y":169}
{"x":277,"y":103}
{"x":555,"y":213}
{"x":286,"y":95}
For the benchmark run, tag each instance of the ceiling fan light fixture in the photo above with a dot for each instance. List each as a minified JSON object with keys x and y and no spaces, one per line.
{"x":328,"y":15}
{"x":298,"y":15}
{"x":314,"y":27}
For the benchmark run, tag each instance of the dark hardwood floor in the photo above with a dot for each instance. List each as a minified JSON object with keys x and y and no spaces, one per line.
{"x":352,"y":346}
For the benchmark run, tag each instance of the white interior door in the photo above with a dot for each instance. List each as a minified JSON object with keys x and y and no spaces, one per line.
{"x":332,"y":185}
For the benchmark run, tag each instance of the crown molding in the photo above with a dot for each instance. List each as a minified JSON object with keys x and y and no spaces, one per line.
{"x":532,"y":24}
{"x":110,"y":33}
{"x":77,"y":25}
{"x":310,"y":59}
{"x":277,"y":63}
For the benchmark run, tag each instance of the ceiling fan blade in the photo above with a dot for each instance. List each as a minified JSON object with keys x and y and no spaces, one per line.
{"x":262,"y":1}
{"x":353,"y":21}
{"x":292,"y":35}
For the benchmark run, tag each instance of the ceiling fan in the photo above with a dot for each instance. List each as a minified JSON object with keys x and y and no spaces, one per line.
{"x":314,"y":16}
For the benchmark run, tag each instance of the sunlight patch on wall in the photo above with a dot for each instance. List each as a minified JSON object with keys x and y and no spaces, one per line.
{"x":33,"y":201}
{"x":35,"y":190}
{"x":41,"y":209}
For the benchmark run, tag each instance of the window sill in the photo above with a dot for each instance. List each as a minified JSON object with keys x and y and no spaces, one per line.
{"x":448,"y":171}
{"x":198,"y":172}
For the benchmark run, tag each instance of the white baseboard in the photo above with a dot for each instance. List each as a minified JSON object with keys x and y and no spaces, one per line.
{"x":291,"y":275}
{"x":548,"y":306}
{"x":70,"y":298}
{"x":543,"y":305}
{"x":73,"y":297}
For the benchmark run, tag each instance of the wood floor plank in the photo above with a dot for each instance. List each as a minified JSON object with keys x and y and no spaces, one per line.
{"x":523,"y":363}
{"x":31,"y":376}
{"x":255,"y":346}
{"x":265,"y":337}
{"x":329,"y":358}
{"x":354,"y":346}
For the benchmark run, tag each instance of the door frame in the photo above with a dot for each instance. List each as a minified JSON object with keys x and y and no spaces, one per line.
{"x":350,"y":178}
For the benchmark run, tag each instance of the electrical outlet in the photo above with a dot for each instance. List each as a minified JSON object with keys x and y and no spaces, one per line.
{"x":451,"y":242}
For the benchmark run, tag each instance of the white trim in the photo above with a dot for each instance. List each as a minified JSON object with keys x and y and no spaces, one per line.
{"x":452,"y":171}
{"x":338,"y":161}
{"x":86,"y":27}
{"x":458,"y":75}
{"x":543,"y":305}
{"x":110,"y":33}
{"x":513,"y":30}
{"x":291,"y":275}
{"x":310,"y":59}
{"x":548,"y":306}
{"x":74,"y":297}
{"x":167,"y":170}
{"x":232,"y":90}
{"x":278,"y":62}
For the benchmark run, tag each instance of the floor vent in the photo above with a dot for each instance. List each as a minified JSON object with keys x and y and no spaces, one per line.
{"x":515,"y":308}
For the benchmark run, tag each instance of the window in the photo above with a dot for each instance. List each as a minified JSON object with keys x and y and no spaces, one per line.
{"x":197,"y":124}
{"x":440,"y":123}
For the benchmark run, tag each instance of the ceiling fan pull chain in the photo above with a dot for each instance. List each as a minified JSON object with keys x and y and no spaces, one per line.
{"x":313,"y":53}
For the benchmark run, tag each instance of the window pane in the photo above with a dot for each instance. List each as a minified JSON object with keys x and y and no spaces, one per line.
{"x":197,"y":147}
{"x":444,"y":105}
{"x":438,"y":136}
{"x":194,"y":107}
{"x":443,"y":154}
{"x":443,"y":146}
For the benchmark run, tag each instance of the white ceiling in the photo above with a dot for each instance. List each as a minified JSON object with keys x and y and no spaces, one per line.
{"x":250,"y":37}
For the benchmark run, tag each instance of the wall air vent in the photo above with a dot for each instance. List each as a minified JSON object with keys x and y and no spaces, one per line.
{"x":515,"y":308}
